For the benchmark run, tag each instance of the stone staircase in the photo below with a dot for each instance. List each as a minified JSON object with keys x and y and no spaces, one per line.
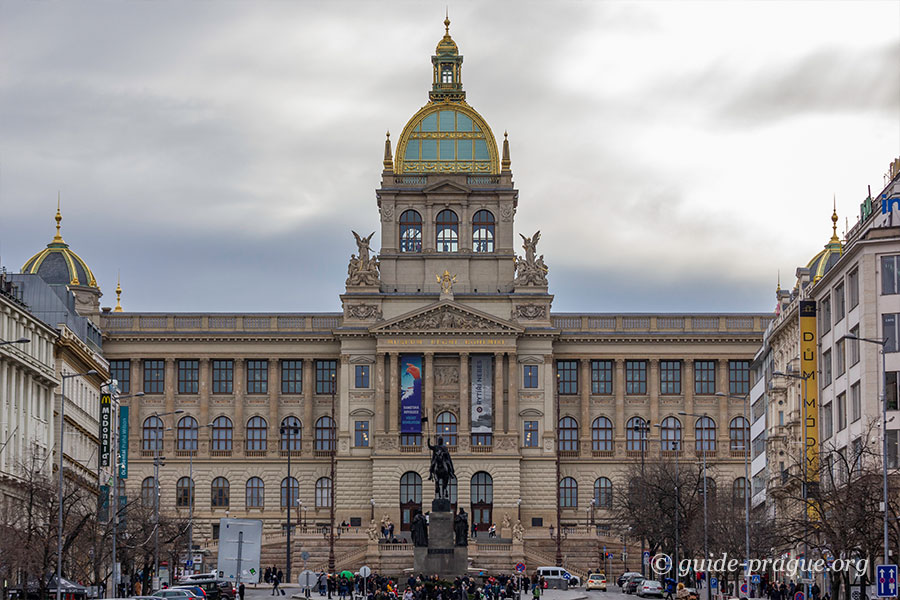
{"x":582,"y":553}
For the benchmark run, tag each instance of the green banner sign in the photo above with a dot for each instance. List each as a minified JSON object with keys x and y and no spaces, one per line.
{"x":123,"y":442}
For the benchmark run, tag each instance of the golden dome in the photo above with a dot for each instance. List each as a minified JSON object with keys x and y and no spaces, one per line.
{"x":57,"y":264}
{"x":446,"y":46}
{"x":822,"y":262}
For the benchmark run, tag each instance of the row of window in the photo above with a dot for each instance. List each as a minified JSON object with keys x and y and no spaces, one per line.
{"x":844,"y":298}
{"x":603,"y":491}
{"x":637,"y":434}
{"x":222,"y":376}
{"x":670,"y":377}
{"x":222,"y":434}
{"x":255,"y":492}
{"x":446,"y":235}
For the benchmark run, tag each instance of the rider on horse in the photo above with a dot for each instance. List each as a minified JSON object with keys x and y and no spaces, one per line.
{"x":441,"y":464}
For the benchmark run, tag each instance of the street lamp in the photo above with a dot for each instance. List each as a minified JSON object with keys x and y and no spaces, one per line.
{"x":746,"y":399}
{"x":22,"y":340}
{"x":643,"y":427}
{"x":884,"y":458}
{"x":558,"y":482}
{"x":331,"y":503}
{"x":62,"y":430}
{"x":289,"y":433}
{"x":674,"y":444}
{"x":705,"y":510}
{"x":157,"y":462}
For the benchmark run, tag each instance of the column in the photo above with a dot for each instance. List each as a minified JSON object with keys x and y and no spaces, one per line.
{"x":464,"y":410}
{"x":4,"y":395}
{"x":379,"y":393}
{"x":240,"y":426}
{"x":619,"y":390}
{"x":499,"y":421}
{"x":513,"y":387}
{"x":653,"y":388}
{"x":394,"y":399}
{"x":274,"y":387}
{"x":308,"y":383}
{"x":343,"y":395}
{"x":549,"y":397}
{"x":429,"y":390}
{"x":584,"y":428}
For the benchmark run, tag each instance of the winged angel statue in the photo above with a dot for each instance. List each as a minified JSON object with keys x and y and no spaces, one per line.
{"x":363,"y":269}
{"x":531,"y":270}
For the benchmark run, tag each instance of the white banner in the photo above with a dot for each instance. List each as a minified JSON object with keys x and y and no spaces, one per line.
{"x":482,"y":393}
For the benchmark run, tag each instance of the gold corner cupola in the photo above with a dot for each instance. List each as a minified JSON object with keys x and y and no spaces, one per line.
{"x":822,"y":262}
{"x":57,"y":264}
{"x":446,"y":135}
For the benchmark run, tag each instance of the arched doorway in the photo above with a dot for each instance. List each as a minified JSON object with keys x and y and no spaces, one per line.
{"x":410,"y":498}
{"x":482,"y":500}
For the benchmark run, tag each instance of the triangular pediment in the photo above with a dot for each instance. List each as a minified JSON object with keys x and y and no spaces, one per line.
{"x":446,"y":186}
{"x":447,"y":316}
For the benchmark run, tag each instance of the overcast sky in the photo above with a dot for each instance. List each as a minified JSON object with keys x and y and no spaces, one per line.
{"x":674,"y":155}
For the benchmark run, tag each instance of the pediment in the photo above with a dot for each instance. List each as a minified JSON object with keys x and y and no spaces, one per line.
{"x":446,"y":186}
{"x":447,"y":316}
{"x":531,"y":412}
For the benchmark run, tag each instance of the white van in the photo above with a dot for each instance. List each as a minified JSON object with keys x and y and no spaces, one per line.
{"x":557,"y":574}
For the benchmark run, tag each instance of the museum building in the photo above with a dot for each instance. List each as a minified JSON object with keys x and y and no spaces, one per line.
{"x":445,"y":331}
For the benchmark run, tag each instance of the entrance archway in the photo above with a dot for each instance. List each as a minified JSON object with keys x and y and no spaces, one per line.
{"x":482,"y":500}
{"x":410,"y":498}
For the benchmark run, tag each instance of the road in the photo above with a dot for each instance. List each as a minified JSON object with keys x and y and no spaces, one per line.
{"x":263,"y":591}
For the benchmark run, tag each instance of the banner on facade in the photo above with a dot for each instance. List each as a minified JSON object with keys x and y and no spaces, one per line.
{"x":123,"y":442}
{"x":103,"y":504}
{"x":105,"y":428}
{"x":482,"y":393}
{"x":809,"y":364}
{"x":410,"y":393}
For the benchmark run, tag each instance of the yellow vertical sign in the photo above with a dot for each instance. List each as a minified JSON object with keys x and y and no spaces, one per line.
{"x":809,"y":364}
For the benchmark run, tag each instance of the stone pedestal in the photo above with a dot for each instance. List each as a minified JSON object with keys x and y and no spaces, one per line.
{"x":442,"y":557}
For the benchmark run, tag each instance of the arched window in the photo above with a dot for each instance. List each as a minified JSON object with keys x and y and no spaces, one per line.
{"x":291,"y":430}
{"x":184,"y":492}
{"x":739,"y":434}
{"x":410,"y":231}
{"x":256,"y":433}
{"x":710,"y":488}
{"x":447,"y":231}
{"x":187,"y":434}
{"x":446,"y":427}
{"x":222,"y":434}
{"x":602,"y":435}
{"x":568,"y":493}
{"x":670,"y":434}
{"x":705,"y":430}
{"x":256,"y":493}
{"x":323,"y":492}
{"x":483,"y":231}
{"x":410,"y":498}
{"x":152,"y":434}
{"x":603,"y":493}
{"x":290,"y":492}
{"x":482,"y":493}
{"x":739,"y":491}
{"x":568,"y":435}
{"x":324,"y":434}
{"x":636,"y":435}
{"x":221,"y":493}
{"x":148,"y":492}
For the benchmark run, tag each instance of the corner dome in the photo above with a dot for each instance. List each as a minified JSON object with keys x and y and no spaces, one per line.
{"x":57,"y":264}
{"x":822,"y":262}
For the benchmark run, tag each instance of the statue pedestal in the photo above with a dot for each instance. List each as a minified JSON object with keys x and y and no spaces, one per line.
{"x":442,"y":557}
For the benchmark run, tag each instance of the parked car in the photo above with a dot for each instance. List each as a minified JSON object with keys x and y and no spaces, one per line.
{"x":555,"y":574}
{"x":196,"y":589}
{"x":624,"y":577}
{"x":175,"y":594}
{"x":596,"y":581}
{"x":632,"y":583}
{"x":650,"y":587}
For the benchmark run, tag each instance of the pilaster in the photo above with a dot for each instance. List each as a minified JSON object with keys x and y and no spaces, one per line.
{"x":619,"y":389}
{"x":308,"y":383}
{"x":379,"y":394}
{"x":429,"y":389}
{"x":584,"y":427}
{"x":394,"y":399}
{"x":499,"y":421}
{"x":464,"y":410}
{"x":240,"y":426}
{"x":274,"y":387}
{"x":513,"y":388}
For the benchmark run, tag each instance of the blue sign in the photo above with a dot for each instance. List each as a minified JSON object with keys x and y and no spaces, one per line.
{"x":188,"y":564}
{"x":713,"y":582}
{"x":886,"y":579}
{"x":410,"y":393}
{"x":744,"y":588}
{"x":566,"y":575}
{"x":798,"y":596}
{"x":754,"y":578}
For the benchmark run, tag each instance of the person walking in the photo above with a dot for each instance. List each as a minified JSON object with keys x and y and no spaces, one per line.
{"x":275,"y":582}
{"x":536,"y":591}
{"x":241,"y":590}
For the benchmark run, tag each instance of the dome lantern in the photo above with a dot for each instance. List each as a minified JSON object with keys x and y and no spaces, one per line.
{"x":447,"y":86}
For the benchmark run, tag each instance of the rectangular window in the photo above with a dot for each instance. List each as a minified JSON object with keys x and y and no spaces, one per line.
{"x":530,"y":377}
{"x":223,"y":376}
{"x":362,"y":376}
{"x":188,"y":376}
{"x":482,"y":439}
{"x":855,"y":408}
{"x":531,"y":434}
{"x":840,"y":410}
{"x":326,"y":376}
{"x":154,"y":376}
{"x":257,"y":377}
{"x":853,"y":346}
{"x":853,"y":289}
{"x":411,"y":439}
{"x":827,"y":420}
{"x":839,"y":307}
{"x":893,"y":448}
{"x":567,"y":372}
{"x":781,"y":418}
{"x":826,"y":368}
{"x":739,"y":377}
{"x":602,"y":377}
{"x":825,"y":311}
{"x":292,"y":377}
{"x":840,"y":358}
{"x":362,"y":434}
{"x":759,"y":443}
{"x":889,"y":324}
{"x":120,"y":370}
{"x":636,"y":377}
{"x":704,"y":377}
{"x":890,"y":275}
{"x":891,"y":395}
{"x":670,"y":377}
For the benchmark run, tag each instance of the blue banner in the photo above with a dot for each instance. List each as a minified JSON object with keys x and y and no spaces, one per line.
{"x":410,"y":393}
{"x":123,"y":442}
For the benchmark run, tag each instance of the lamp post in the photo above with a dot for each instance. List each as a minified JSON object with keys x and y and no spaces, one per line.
{"x":643,"y":426}
{"x":331,"y":503}
{"x":191,"y":451}
{"x":62,"y":430}
{"x":674,"y":443}
{"x":884,"y":457}
{"x":705,"y":508}
{"x":22,"y":340}
{"x":115,"y":491}
{"x":157,"y":463}
{"x":746,"y":399}
{"x":558,"y":481}
{"x":289,"y":433}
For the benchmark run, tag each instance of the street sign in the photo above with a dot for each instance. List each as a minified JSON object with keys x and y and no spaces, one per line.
{"x":304,"y":555}
{"x":886,"y":580}
{"x":744,"y":588}
{"x":307,"y":579}
{"x":713,"y":583}
{"x":188,"y":564}
{"x":566,"y":575}
{"x":365,"y":571}
{"x":798,"y":596}
{"x":754,"y":578}
{"x":520,"y":567}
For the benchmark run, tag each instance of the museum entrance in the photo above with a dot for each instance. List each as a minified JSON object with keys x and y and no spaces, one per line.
{"x":482,"y":500}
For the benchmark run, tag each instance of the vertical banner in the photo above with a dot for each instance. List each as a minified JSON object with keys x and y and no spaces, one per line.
{"x":410,"y":393}
{"x":103,"y":504}
{"x":482,"y":396}
{"x":123,"y":442}
{"x":809,"y":365}
{"x":105,"y":428}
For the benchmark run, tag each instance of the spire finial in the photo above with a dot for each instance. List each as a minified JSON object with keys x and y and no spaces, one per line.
{"x":447,"y":22}
{"x":504,"y":161}
{"x":58,"y":237}
{"x":834,"y":221}
{"x":778,"y":286}
{"x":118,"y":307}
